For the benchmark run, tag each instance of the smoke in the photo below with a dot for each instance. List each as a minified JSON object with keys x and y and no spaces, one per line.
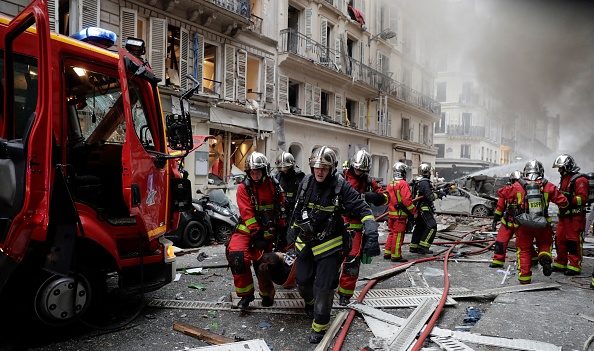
{"x":536,"y":56}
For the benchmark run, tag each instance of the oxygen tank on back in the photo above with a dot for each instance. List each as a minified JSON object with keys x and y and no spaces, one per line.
{"x":534,"y":199}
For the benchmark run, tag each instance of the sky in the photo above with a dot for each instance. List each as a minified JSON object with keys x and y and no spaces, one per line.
{"x":535,"y":55}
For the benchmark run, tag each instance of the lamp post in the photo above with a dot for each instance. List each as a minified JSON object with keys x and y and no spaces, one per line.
{"x":384,"y":34}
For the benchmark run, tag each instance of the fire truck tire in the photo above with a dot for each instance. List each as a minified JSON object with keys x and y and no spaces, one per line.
{"x":195,"y":234}
{"x":223,"y":232}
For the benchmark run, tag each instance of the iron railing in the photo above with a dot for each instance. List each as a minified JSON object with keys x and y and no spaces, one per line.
{"x":291,"y":41}
{"x":464,"y":130}
{"x":238,"y":7}
{"x":256,"y":25}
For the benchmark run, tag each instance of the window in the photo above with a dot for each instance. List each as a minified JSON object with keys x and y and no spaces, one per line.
{"x":172,"y":63}
{"x":139,"y":116}
{"x":253,"y":75}
{"x":294,"y":97}
{"x":25,"y":94}
{"x":440,"y":125}
{"x":441,"y":91}
{"x":325,"y":98}
{"x":482,"y":153}
{"x":466,"y":118}
{"x":440,"y":150}
{"x":210,"y":83}
{"x":426,"y":134}
{"x":465,"y":151}
{"x":405,"y":128}
{"x":351,"y":113}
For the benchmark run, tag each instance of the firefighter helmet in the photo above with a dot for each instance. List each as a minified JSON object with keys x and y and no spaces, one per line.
{"x":425,"y":169}
{"x":515,"y":175}
{"x":323,"y":156}
{"x":533,"y":170}
{"x":566,"y":164}
{"x":399,"y":170}
{"x":257,"y":160}
{"x":285,"y":159}
{"x":362,"y":161}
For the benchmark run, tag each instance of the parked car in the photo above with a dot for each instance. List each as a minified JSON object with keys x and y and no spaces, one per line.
{"x":461,"y":201}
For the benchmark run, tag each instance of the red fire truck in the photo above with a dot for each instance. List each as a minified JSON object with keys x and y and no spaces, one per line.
{"x":88,"y":185}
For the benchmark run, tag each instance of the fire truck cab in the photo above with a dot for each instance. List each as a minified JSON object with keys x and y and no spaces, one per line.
{"x":88,"y":184}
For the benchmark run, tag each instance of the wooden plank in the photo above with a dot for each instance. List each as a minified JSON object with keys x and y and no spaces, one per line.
{"x":201,"y":334}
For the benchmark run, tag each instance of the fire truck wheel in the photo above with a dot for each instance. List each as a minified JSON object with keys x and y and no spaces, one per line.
{"x":61,"y":299}
{"x":222,"y":232}
{"x":195,"y":234}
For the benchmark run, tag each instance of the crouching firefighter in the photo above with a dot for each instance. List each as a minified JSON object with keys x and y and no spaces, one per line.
{"x":260,"y":201}
{"x":357,"y":175}
{"x":317,"y":230}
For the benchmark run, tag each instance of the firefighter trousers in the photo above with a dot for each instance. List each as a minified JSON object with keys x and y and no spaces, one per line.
{"x":504,"y":235}
{"x":240,"y":257}
{"x":350,"y":266}
{"x":524,"y":238}
{"x":317,"y":279}
{"x":569,"y":242}
{"x":393,"y":247}
{"x":425,"y":229}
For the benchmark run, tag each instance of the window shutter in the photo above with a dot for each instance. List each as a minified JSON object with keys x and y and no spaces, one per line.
{"x":198,"y":58}
{"x":379,"y":62}
{"x":269,"y":80}
{"x":363,"y":115}
{"x":337,"y":56}
{"x":241,"y":74}
{"x":283,"y":93}
{"x":184,"y":56}
{"x":128,"y":22}
{"x":157,"y":42}
{"x":338,"y":108}
{"x":324,"y":34}
{"x":229,"y":92}
{"x":54,"y":17}
{"x":308,"y":99}
{"x":308,"y":28}
{"x":389,"y":124}
{"x":89,"y":13}
{"x":317,"y":103}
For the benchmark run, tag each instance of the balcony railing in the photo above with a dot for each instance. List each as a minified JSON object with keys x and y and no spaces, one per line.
{"x":256,"y":25}
{"x":239,"y":7}
{"x":462,"y":130}
{"x":298,"y":44}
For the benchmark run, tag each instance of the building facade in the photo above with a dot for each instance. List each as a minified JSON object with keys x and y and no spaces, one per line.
{"x":279,"y":75}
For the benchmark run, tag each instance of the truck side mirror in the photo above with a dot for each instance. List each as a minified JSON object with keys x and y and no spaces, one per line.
{"x":179,"y":132}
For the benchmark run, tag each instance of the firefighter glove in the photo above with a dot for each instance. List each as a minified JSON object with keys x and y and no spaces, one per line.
{"x":374,"y":198}
{"x":371,"y":239}
{"x":496,"y":220}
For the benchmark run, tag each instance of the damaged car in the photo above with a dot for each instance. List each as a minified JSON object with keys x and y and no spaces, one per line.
{"x":462,"y":202}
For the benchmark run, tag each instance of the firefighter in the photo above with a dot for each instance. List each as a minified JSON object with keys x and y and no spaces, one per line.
{"x":260,"y":201}
{"x":425,"y":224}
{"x":572,"y":219}
{"x":357,"y":175}
{"x":400,"y":207}
{"x":318,"y":232}
{"x":534,"y":194}
{"x":289,"y":177}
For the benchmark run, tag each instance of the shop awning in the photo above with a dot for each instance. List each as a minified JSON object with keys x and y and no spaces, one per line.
{"x":241,"y":119}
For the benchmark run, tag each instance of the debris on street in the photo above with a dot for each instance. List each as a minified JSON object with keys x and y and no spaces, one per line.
{"x":201,"y":334}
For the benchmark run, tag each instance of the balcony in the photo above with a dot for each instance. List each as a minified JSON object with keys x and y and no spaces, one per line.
{"x":464,"y":130}
{"x":293,"y":42}
{"x":226,"y":16}
{"x":238,"y":7}
{"x":256,"y":25}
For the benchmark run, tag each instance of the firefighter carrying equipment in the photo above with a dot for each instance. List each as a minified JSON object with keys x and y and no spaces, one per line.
{"x":535,"y":210}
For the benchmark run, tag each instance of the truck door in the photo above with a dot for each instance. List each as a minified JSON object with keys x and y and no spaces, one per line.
{"x":25,"y":129}
{"x":144,"y":176}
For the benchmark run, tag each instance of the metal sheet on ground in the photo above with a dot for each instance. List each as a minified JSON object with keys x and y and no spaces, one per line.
{"x":248,"y":345}
{"x":406,"y":334}
{"x":450,"y":344}
{"x":387,"y":302}
{"x":507,"y":289}
{"x":224,"y":306}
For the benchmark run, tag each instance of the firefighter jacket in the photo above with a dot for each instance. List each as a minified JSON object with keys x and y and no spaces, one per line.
{"x":424,"y":188}
{"x":549,"y":192}
{"x":507,"y":205}
{"x":289,"y":182}
{"x":362,"y":184}
{"x":321,"y":206}
{"x":261,"y":207}
{"x":575,"y":187}
{"x":400,"y":204}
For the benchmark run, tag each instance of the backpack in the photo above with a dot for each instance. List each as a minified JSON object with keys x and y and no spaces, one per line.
{"x":534,"y":210}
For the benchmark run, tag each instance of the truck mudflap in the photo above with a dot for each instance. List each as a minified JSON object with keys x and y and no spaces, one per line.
{"x":150,"y":277}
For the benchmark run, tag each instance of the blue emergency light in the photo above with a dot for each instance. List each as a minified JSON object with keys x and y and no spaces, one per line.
{"x":97,"y":36}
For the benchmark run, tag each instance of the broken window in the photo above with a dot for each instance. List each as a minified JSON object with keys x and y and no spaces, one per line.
{"x":210,"y":82}
{"x":253,"y":75}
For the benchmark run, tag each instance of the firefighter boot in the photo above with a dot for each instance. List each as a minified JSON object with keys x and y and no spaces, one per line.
{"x":545,"y":262}
{"x":398,"y":259}
{"x":315,"y":337}
{"x":344,"y":300}
{"x":244,"y":303}
{"x":424,"y":250}
{"x":267,"y":301}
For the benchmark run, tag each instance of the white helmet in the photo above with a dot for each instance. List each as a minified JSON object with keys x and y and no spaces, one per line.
{"x":362,"y":161}
{"x":323,"y":157}
{"x":425,"y":169}
{"x":257,"y":160}
{"x":533,"y":170}
{"x":399,"y":170}
{"x":566,"y":164}
{"x":285,"y":159}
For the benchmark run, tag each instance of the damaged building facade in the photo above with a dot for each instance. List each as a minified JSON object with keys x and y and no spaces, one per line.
{"x":279,"y":75}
